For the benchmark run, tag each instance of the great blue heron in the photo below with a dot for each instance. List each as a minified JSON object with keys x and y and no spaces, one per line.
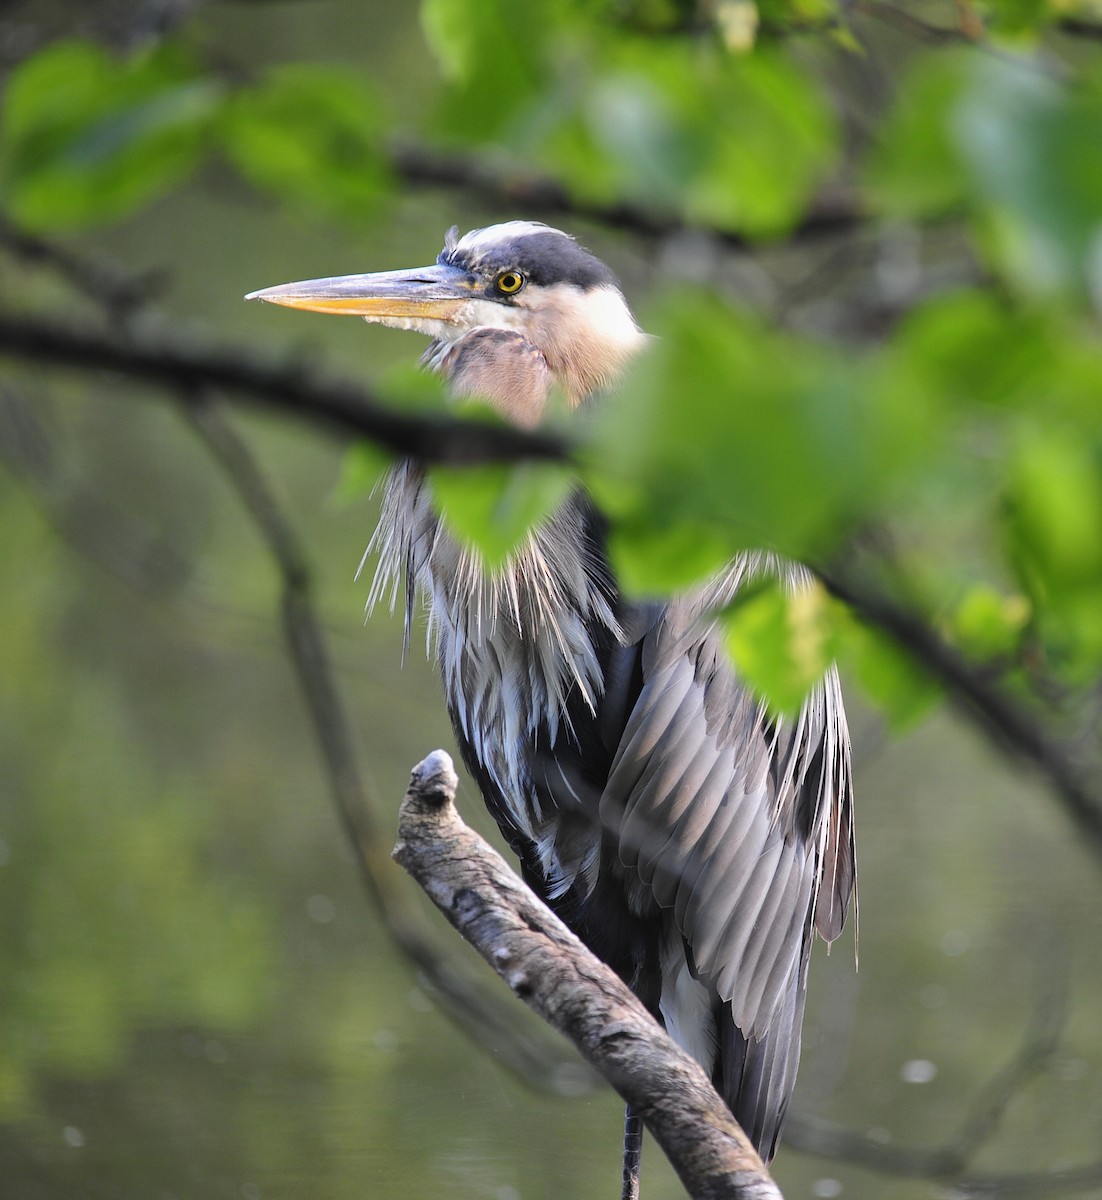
{"x":694,"y":842}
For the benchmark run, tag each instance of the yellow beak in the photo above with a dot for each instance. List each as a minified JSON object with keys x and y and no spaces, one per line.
{"x":437,"y":293}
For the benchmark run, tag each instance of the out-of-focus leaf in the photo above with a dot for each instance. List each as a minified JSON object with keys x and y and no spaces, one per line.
{"x":987,"y":623}
{"x":493,"y":54}
{"x":886,"y":675}
{"x":85,"y":137}
{"x":363,"y":466}
{"x":772,"y":440}
{"x":311,"y":135}
{"x":1020,"y":16}
{"x":772,"y":140}
{"x":781,"y":642}
{"x":783,"y":13}
{"x":1054,"y":507}
{"x":914,"y":170}
{"x":976,"y":349}
{"x":452,"y":37}
{"x":493,"y":508}
{"x":652,"y":560}
{"x":736,"y":141}
{"x":408,"y":386}
{"x":1025,"y":139}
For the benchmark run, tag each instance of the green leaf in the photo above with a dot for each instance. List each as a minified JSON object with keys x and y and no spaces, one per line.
{"x":492,"y":509}
{"x":1023,"y":137}
{"x":493,"y":54}
{"x":974,"y":348}
{"x":988,"y":624}
{"x":651,"y":560}
{"x":363,"y":466}
{"x":772,"y":440}
{"x":1022,"y":16}
{"x":771,"y":141}
{"x":1054,"y":510}
{"x":887,"y":676}
{"x":408,"y":386}
{"x":86,"y":138}
{"x":741,"y":142}
{"x":781,"y":642}
{"x":914,"y":169}
{"x":312,"y":135}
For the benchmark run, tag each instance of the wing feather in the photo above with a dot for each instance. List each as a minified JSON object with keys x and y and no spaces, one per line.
{"x":739,"y":829}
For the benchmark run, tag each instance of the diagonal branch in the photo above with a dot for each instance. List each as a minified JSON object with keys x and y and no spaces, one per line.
{"x":472,"y":1009}
{"x":1012,"y":727}
{"x":101,"y":280}
{"x":348,"y":409}
{"x":554,"y":974}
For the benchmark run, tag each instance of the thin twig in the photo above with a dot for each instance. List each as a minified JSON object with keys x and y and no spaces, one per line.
{"x":470,"y":1006}
{"x":950,"y":1161}
{"x":119,"y":291}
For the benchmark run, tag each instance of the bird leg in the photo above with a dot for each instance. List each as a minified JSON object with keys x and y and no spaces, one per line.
{"x":633,"y":1153}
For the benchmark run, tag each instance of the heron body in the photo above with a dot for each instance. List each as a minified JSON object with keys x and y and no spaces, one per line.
{"x":693,"y":841}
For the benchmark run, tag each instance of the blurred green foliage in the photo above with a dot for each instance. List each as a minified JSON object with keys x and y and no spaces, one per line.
{"x":87,"y":137}
{"x":731,"y":433}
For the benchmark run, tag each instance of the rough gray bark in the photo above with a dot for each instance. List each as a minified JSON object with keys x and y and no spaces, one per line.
{"x":554,"y":974}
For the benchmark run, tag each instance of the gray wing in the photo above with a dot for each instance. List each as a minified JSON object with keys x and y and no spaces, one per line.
{"x":740,"y":829}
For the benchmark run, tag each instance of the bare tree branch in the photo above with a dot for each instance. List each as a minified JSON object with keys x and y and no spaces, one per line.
{"x":1013,"y":728}
{"x":1079,"y":27}
{"x":521,"y":189}
{"x":470,"y":1006}
{"x":351,"y":410}
{"x":101,"y":280}
{"x":554,"y":974}
{"x":949,"y":1162}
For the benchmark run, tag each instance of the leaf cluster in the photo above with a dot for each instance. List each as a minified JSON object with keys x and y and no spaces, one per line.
{"x":960,"y":436}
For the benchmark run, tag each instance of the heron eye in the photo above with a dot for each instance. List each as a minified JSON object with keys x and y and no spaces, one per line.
{"x":509,"y":282}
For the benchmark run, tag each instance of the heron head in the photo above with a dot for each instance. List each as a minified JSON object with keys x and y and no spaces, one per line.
{"x":511,"y":309}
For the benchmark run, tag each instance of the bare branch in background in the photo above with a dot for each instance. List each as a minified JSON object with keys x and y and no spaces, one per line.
{"x":531,"y":192}
{"x":119,"y":292}
{"x":344,"y":407}
{"x":949,"y":1163}
{"x":566,"y":984}
{"x":469,"y":1005}
{"x":1014,"y":729}
{"x":27,"y":450}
